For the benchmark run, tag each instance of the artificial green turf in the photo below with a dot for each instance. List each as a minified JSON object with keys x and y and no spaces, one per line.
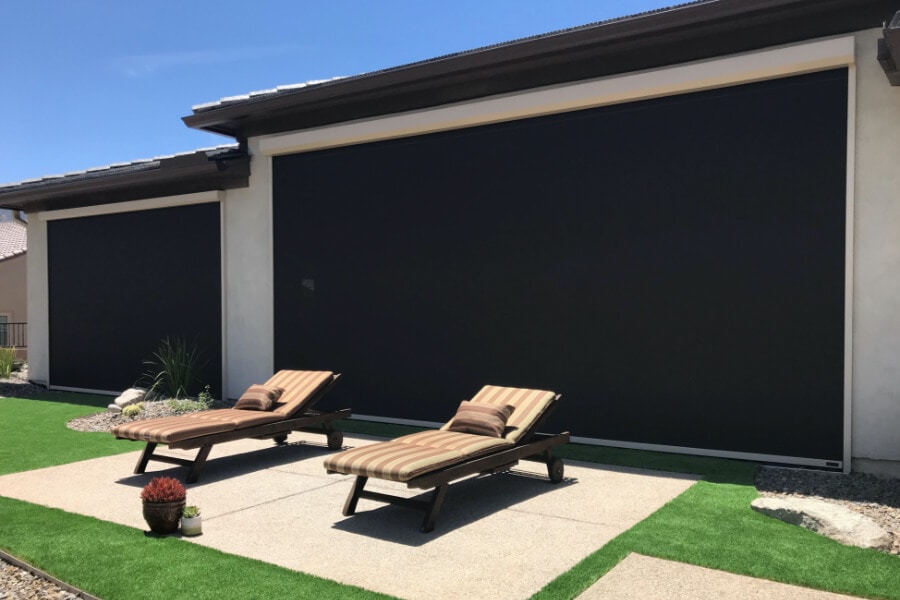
{"x":712,"y":525}
{"x":33,"y":432}
{"x":387,"y":430}
{"x":113,"y":561}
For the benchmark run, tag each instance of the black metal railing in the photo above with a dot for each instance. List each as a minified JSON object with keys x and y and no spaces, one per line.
{"x":13,"y":334}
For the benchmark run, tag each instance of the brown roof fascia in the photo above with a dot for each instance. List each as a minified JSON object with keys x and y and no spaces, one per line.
{"x":173,"y":176}
{"x":680,"y":34}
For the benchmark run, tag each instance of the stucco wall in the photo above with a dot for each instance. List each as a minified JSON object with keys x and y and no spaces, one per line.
{"x":876,"y":293}
{"x":38,"y":303}
{"x":13,"y":297}
{"x":248,"y":283}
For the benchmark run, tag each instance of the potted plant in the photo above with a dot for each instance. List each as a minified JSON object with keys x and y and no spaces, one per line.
{"x":191,"y":521}
{"x":163,"y":502}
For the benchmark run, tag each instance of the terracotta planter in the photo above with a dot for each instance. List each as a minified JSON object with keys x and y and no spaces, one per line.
{"x":162,"y":517}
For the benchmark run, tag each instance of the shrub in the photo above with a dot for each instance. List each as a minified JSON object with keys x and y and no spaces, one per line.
{"x":205,"y":397}
{"x":190,"y":512}
{"x":133,"y":410}
{"x":7,"y":359}
{"x":163,"y":489}
{"x":184,"y":405}
{"x":174,"y":369}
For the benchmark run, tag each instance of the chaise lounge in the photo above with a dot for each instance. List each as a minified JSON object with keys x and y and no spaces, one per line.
{"x":488,"y":434}
{"x":273,"y":410}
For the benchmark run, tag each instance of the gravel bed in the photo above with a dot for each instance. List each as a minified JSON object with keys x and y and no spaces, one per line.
{"x":105,"y":421}
{"x":875,"y":497}
{"x":18,"y":584}
{"x":17,"y":386}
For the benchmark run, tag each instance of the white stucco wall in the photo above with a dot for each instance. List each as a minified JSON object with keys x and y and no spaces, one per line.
{"x":248,"y":282}
{"x":38,"y":304}
{"x":876,"y":293}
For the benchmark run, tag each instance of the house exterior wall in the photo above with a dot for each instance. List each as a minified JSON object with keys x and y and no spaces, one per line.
{"x":13,"y":296}
{"x":873,"y":342}
{"x":873,"y":381}
{"x":38,"y":302}
{"x":248,"y":284}
{"x":876,"y":266}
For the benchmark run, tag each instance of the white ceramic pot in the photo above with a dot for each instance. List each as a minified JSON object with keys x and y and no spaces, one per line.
{"x":192,"y":525}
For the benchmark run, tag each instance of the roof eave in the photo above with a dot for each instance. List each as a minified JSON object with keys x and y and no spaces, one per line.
{"x":181,"y":175}
{"x":681,"y":34}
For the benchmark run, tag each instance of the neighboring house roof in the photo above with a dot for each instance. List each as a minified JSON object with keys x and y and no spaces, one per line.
{"x":221,"y":167}
{"x":678,"y":34}
{"x":13,"y":239}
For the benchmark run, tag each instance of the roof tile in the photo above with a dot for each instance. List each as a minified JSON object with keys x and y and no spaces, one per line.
{"x":13,"y":239}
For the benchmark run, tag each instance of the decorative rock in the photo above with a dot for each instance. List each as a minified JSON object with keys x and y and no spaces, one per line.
{"x":828,"y":519}
{"x":114,"y":409}
{"x":130,"y":396}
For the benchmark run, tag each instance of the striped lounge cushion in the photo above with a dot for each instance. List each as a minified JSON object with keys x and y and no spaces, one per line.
{"x":409,"y":456}
{"x":529,"y":405}
{"x":168,"y":430}
{"x":299,"y":388}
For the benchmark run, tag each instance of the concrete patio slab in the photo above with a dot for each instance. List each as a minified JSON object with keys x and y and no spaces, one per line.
{"x":643,"y":578}
{"x":503,"y":536}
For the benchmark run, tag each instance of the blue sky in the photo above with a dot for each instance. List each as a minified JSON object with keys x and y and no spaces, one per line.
{"x":88,"y":83}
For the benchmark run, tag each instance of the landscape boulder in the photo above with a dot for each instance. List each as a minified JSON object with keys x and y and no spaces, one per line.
{"x":826,"y":518}
{"x":130,"y":396}
{"x":113,"y":408}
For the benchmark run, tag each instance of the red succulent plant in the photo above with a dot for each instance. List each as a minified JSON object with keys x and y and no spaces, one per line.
{"x":163,"y":489}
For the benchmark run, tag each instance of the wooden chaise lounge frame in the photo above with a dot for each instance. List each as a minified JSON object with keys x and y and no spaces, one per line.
{"x":531,"y":446}
{"x":310,"y":420}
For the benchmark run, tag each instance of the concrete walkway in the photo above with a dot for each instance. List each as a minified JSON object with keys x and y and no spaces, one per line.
{"x":644,"y":578}
{"x":504,"y":536}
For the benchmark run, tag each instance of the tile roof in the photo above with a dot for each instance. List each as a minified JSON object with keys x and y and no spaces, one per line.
{"x":110,"y":170}
{"x":13,"y":239}
{"x":284,"y":90}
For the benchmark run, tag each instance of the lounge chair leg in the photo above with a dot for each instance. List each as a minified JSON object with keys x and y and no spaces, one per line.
{"x":555,"y":470}
{"x":146,"y":455}
{"x":335,"y":439}
{"x":353,"y":498}
{"x":199,"y":461}
{"x":434,"y":507}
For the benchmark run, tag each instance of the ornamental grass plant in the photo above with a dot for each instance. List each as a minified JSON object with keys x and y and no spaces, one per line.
{"x":175,"y":368}
{"x":7,"y":360}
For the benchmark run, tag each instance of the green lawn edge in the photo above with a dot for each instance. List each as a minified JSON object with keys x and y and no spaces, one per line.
{"x":33,"y":432}
{"x":114,"y":561}
{"x":712,"y":525}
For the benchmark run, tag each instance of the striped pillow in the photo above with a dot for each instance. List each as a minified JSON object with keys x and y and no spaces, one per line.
{"x":259,"y":397}
{"x":481,"y":419}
